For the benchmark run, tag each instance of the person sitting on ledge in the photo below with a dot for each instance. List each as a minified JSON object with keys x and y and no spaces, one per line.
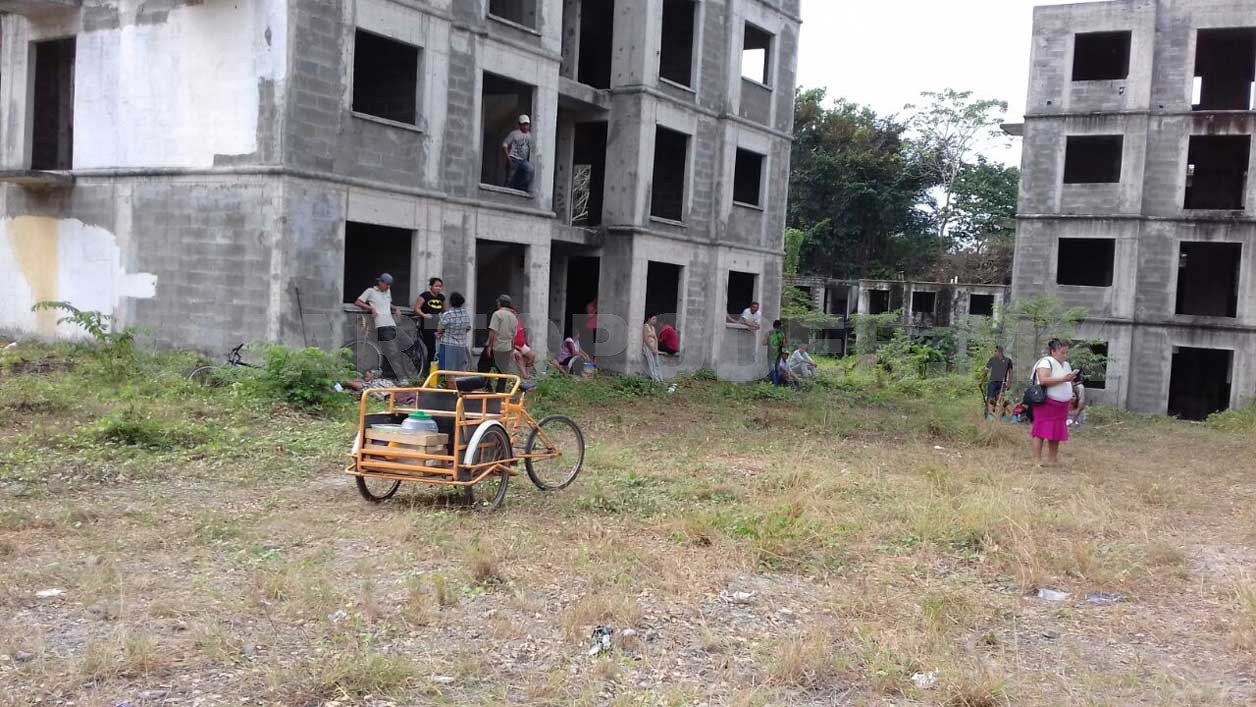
{"x":669,"y":340}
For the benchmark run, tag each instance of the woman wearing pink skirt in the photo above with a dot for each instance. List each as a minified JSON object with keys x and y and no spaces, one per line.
{"x":1054,"y":374}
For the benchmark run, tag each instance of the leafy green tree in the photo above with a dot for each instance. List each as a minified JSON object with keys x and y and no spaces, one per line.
{"x":1046,"y":316}
{"x":947,"y":131}
{"x":983,"y":230}
{"x":854,"y":189}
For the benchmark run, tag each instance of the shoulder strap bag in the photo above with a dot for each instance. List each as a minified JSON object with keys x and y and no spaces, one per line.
{"x":1035,"y":394}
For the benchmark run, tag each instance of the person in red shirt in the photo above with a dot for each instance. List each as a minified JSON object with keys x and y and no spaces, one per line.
{"x":669,"y":340}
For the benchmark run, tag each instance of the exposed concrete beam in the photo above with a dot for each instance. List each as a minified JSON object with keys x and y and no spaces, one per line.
{"x":38,"y":8}
{"x":36,"y":179}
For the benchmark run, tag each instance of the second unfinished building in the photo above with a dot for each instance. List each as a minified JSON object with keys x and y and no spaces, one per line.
{"x":1136,"y":201}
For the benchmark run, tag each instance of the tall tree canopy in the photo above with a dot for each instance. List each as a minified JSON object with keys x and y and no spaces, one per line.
{"x":874,"y":196}
{"x":854,"y":188}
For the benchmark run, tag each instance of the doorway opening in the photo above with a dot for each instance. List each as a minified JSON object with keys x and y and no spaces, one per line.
{"x":499,"y":270}
{"x":1200,"y":382}
{"x":583,"y":275}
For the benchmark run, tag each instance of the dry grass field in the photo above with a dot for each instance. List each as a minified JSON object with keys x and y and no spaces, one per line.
{"x":858,"y":543}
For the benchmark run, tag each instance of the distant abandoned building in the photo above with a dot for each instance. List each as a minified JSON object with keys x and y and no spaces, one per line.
{"x":925,"y":306}
{"x":192,"y":166}
{"x":1136,"y":201}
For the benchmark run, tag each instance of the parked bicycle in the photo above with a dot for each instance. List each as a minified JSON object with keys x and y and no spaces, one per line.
{"x":204,"y":375}
{"x":408,"y":350}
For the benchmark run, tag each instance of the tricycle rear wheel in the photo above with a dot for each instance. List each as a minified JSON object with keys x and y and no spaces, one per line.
{"x":493,"y":446}
{"x":375,"y":489}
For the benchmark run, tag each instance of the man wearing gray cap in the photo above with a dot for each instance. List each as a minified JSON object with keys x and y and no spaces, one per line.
{"x":501,"y":335}
{"x":518,"y":149}
{"x":378,"y":301}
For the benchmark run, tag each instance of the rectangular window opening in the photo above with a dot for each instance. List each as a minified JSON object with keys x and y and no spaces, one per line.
{"x":1091,"y":358}
{"x":1199,"y":383}
{"x":662,"y":292}
{"x":1086,"y":262}
{"x":836,"y":301}
{"x":924,"y":304}
{"x":1216,"y":171}
{"x":597,"y":42}
{"x":385,"y":78}
{"x":1093,"y":159}
{"x":756,"y":55}
{"x":588,"y":174}
{"x":748,"y":178}
{"x":676,"y":50}
{"x":1225,"y":68}
{"x":1101,"y":56}
{"x":740,"y":295}
{"x":522,"y":12}
{"x":52,"y":145}
{"x":878,"y":301}
{"x":667,"y":193}
{"x":502,"y":103}
{"x":371,"y":250}
{"x":981,"y":305}
{"x":1208,"y":279}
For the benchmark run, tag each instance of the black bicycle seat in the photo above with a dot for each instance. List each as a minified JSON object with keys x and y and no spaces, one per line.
{"x":470,"y":384}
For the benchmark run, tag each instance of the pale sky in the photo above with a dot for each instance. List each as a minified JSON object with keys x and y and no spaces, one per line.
{"x":883,"y":53}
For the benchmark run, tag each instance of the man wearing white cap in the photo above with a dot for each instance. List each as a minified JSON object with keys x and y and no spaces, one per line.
{"x":518,"y":149}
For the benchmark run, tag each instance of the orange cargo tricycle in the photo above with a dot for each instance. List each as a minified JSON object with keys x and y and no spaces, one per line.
{"x":462,"y":430}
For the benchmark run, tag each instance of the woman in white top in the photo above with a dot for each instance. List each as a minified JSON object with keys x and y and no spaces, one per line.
{"x":1054,"y":374}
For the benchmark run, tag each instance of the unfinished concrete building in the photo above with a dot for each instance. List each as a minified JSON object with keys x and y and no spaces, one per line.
{"x":925,"y":307}
{"x":220,"y":171}
{"x":1136,"y":202}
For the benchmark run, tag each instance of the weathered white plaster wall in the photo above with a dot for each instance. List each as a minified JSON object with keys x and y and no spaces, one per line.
{"x":44,"y":259}
{"x":179,"y":92}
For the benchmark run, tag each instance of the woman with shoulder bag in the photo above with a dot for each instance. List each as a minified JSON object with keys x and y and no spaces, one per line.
{"x":1056,"y":377}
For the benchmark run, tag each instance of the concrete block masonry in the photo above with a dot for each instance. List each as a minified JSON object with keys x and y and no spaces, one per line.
{"x":230,"y":183}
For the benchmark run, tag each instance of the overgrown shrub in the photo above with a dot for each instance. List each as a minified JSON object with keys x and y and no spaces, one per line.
{"x":1234,"y":420}
{"x":114,"y":347}
{"x":129,"y":428}
{"x":303,"y":378}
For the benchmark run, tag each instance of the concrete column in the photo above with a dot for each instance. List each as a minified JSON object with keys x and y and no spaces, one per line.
{"x":564,"y":155}
{"x":638,"y":31}
{"x":15,"y":94}
{"x":570,"y":63}
{"x":557,"y":300}
{"x":629,"y":160}
{"x":536,"y":297}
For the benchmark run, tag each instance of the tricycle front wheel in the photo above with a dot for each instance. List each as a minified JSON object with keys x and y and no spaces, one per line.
{"x":554,"y":453}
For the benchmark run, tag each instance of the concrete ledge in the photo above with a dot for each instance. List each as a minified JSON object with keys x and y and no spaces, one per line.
{"x":37,"y":179}
{"x":385,"y":121}
{"x":579,"y":96}
{"x":38,"y":8}
{"x":505,"y":190}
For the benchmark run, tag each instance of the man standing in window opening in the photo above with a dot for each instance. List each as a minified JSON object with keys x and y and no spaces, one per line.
{"x":518,"y":149}
{"x":429,"y":306}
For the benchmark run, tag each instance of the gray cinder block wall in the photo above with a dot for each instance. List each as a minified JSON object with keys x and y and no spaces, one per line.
{"x":200,"y":212}
{"x":1142,"y":208}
